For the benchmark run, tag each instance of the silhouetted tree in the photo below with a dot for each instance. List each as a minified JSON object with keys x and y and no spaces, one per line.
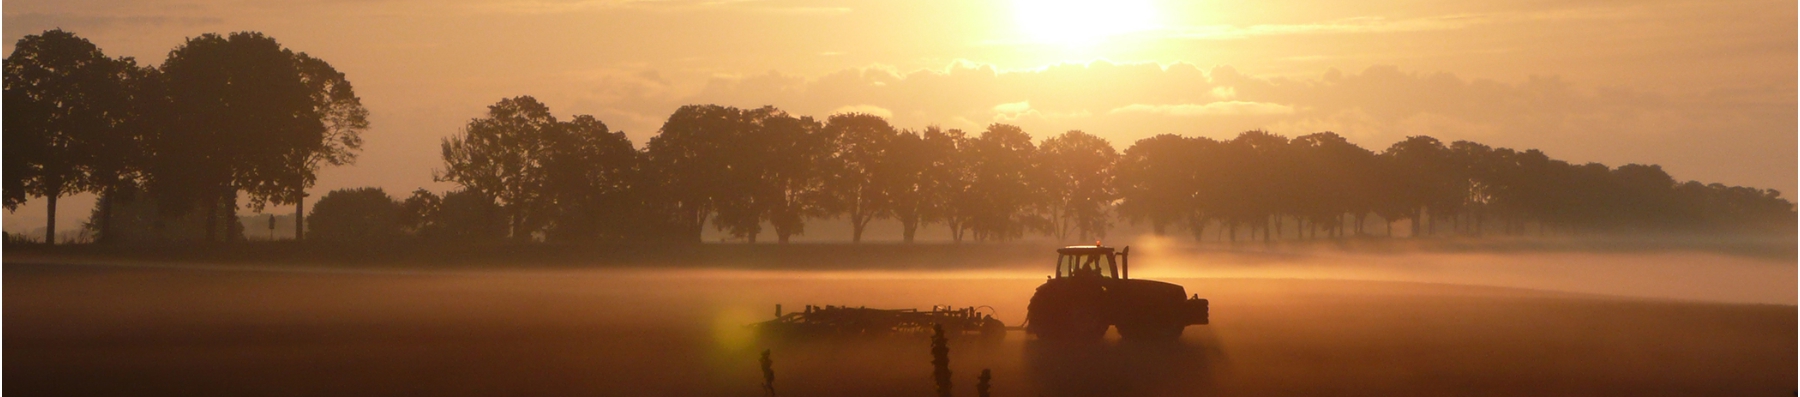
{"x":792,"y":151}
{"x":465,"y":215}
{"x":589,"y":176}
{"x":1257,"y":190}
{"x":1420,"y":165}
{"x":502,"y":156}
{"x":775,"y":168}
{"x":743,"y":197}
{"x":242,"y":106}
{"x":1156,"y":181}
{"x":1007,"y":201}
{"x":688,"y":158}
{"x":121,"y":169}
{"x":951,"y":176}
{"x":859,"y":146}
{"x":1332,"y":178}
{"x":1080,"y":184}
{"x":343,"y":120}
{"x":1206,"y":184}
{"x":66,"y":104}
{"x":360,"y":214}
{"x":136,"y":217}
{"x":419,"y":211}
{"x":905,"y":179}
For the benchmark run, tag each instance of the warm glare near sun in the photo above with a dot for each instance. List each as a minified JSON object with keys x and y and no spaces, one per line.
{"x":1076,"y":22}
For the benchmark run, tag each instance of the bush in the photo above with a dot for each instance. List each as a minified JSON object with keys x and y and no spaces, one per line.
{"x":360,"y":214}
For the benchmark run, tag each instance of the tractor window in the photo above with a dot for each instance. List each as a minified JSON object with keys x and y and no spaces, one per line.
{"x":1062,"y":265}
{"x":1093,"y":264}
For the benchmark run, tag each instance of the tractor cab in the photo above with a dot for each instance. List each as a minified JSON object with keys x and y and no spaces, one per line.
{"x":1092,"y":290}
{"x":1092,"y":261}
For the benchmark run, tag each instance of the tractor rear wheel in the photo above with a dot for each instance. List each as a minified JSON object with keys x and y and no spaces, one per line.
{"x":1067,"y":314}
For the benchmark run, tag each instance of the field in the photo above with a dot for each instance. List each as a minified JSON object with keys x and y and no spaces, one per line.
{"x":1537,"y":322}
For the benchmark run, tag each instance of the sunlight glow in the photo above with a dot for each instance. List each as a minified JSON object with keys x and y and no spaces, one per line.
{"x":1081,"y":22}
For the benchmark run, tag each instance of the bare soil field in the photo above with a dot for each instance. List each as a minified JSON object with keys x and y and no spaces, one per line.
{"x":203,"y":330}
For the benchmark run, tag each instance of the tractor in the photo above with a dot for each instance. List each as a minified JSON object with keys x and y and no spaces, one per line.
{"x":1093,"y":289}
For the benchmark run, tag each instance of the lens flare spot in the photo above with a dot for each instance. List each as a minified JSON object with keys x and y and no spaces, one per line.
{"x":731,"y":328}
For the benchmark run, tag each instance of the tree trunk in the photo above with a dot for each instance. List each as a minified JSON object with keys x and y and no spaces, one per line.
{"x":104,"y":224}
{"x":1278,"y":222}
{"x":514,"y":226}
{"x":856,"y":228}
{"x":909,"y":228}
{"x":1265,"y":229}
{"x":695,"y":222}
{"x":299,"y":219}
{"x":1417,"y":218}
{"x":212,"y":217}
{"x":1060,"y":221}
{"x":50,"y":228}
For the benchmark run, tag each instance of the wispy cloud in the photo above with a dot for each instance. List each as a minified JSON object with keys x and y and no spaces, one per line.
{"x":19,"y":25}
{"x":107,"y":21}
{"x":865,"y":109}
{"x":1349,"y":25}
{"x":1221,"y":108}
{"x":1013,"y":107}
{"x":565,"y":6}
{"x":1378,"y":24}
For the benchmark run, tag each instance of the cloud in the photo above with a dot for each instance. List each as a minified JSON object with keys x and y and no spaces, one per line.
{"x":866,"y":109}
{"x":1013,"y":107}
{"x":533,"y":7}
{"x":1221,"y":108}
{"x":19,"y":25}
{"x":1377,"y":24}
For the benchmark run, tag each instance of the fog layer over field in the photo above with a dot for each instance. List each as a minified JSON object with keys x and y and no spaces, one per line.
{"x":1284,"y":322}
{"x":1716,"y":275}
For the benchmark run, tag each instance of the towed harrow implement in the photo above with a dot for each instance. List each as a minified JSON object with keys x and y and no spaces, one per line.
{"x":844,"y":321}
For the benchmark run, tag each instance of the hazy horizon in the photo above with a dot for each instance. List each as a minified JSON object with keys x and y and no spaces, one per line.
{"x":1705,"y":89}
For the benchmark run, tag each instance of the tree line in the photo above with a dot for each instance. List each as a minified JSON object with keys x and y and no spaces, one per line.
{"x":171,"y":148}
{"x":223,"y":116}
{"x":524,"y":174}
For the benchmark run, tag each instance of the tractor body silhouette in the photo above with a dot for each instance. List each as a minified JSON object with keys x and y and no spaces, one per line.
{"x":1092,"y":290}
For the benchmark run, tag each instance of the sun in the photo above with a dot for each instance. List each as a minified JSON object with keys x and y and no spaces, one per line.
{"x":1081,"y":22}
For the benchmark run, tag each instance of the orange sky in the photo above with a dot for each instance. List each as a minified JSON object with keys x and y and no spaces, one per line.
{"x":1705,"y":88}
